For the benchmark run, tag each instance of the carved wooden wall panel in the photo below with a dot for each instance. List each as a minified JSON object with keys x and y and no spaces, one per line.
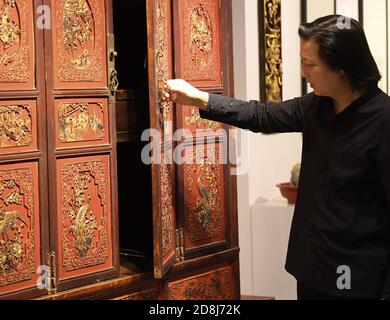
{"x":18,"y":126}
{"x":204,"y":207}
{"x":200,"y":42}
{"x":82,"y":122}
{"x":84,"y":209}
{"x":19,"y":226}
{"x":17,"y":52}
{"x":79,"y":44}
{"x":214,"y":285}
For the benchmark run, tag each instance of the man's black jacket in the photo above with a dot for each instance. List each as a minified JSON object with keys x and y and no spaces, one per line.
{"x":342,"y":214}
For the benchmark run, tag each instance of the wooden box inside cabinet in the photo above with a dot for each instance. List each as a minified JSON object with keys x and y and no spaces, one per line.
{"x":90,"y":194}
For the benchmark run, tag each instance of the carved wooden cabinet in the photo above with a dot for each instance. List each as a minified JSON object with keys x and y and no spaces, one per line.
{"x":82,"y":216}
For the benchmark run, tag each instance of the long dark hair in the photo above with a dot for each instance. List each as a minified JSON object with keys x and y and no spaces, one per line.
{"x":343,"y":46}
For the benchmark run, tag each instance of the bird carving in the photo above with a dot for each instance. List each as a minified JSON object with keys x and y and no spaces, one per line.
{"x":8,"y":220}
{"x":80,"y":231}
{"x":203,"y":207}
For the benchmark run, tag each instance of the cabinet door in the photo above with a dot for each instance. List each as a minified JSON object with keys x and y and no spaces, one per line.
{"x":23,"y":164}
{"x":82,"y":157}
{"x":203,"y":56}
{"x":159,"y":19}
{"x":194,"y":203}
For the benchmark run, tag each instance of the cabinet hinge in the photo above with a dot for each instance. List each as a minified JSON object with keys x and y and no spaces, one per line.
{"x":52,"y":264}
{"x":179,"y":245}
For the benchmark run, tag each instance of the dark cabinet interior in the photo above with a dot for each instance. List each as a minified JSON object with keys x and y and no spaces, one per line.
{"x":132,"y":116}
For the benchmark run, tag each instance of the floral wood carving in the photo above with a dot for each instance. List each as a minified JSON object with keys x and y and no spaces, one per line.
{"x":204,"y":213}
{"x":84,"y":214}
{"x":167,"y":213}
{"x":162,"y":58}
{"x":201,"y":51}
{"x":17,"y":228}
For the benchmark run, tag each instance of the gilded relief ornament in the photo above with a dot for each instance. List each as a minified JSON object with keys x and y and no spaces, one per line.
{"x":80,"y":25}
{"x":201,"y":60}
{"x":205,"y":211}
{"x":162,"y":64}
{"x":14,"y":47}
{"x":201,"y":36}
{"x":78,"y":29}
{"x":76,"y":120}
{"x":15,"y":126}
{"x":273,"y":51}
{"x":17,"y":238}
{"x":167,"y":207}
{"x":196,"y":120}
{"x":85,"y":220}
{"x":9,"y":29}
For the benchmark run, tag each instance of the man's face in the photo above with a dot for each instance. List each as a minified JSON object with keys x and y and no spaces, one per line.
{"x":322,"y":79}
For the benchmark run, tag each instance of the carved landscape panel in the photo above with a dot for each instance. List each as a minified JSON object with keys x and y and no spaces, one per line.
{"x":82,"y":122}
{"x":79,"y":44}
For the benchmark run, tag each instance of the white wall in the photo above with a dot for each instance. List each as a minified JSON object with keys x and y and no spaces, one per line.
{"x":271,"y":157}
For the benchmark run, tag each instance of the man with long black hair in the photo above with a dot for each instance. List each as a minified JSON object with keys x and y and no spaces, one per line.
{"x":342,"y":216}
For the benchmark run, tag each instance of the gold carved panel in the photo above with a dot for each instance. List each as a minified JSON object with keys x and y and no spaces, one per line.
{"x":200,"y":44}
{"x":79,"y":44}
{"x":273,"y":73}
{"x":204,"y":196}
{"x":16,"y":45}
{"x":18,"y":126}
{"x":19,"y":226}
{"x":84,"y":209}
{"x":82,"y":123}
{"x":214,"y":285}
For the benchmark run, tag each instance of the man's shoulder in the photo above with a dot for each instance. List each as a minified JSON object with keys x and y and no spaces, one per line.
{"x":381,"y":103}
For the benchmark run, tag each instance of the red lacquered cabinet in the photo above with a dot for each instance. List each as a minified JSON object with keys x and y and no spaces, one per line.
{"x":82,"y":216}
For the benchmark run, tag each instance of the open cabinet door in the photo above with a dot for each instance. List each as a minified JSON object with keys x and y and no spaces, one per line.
{"x":206,"y":188}
{"x":161,"y":120}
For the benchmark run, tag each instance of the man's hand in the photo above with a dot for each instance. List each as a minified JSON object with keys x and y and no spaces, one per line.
{"x":181,"y":92}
